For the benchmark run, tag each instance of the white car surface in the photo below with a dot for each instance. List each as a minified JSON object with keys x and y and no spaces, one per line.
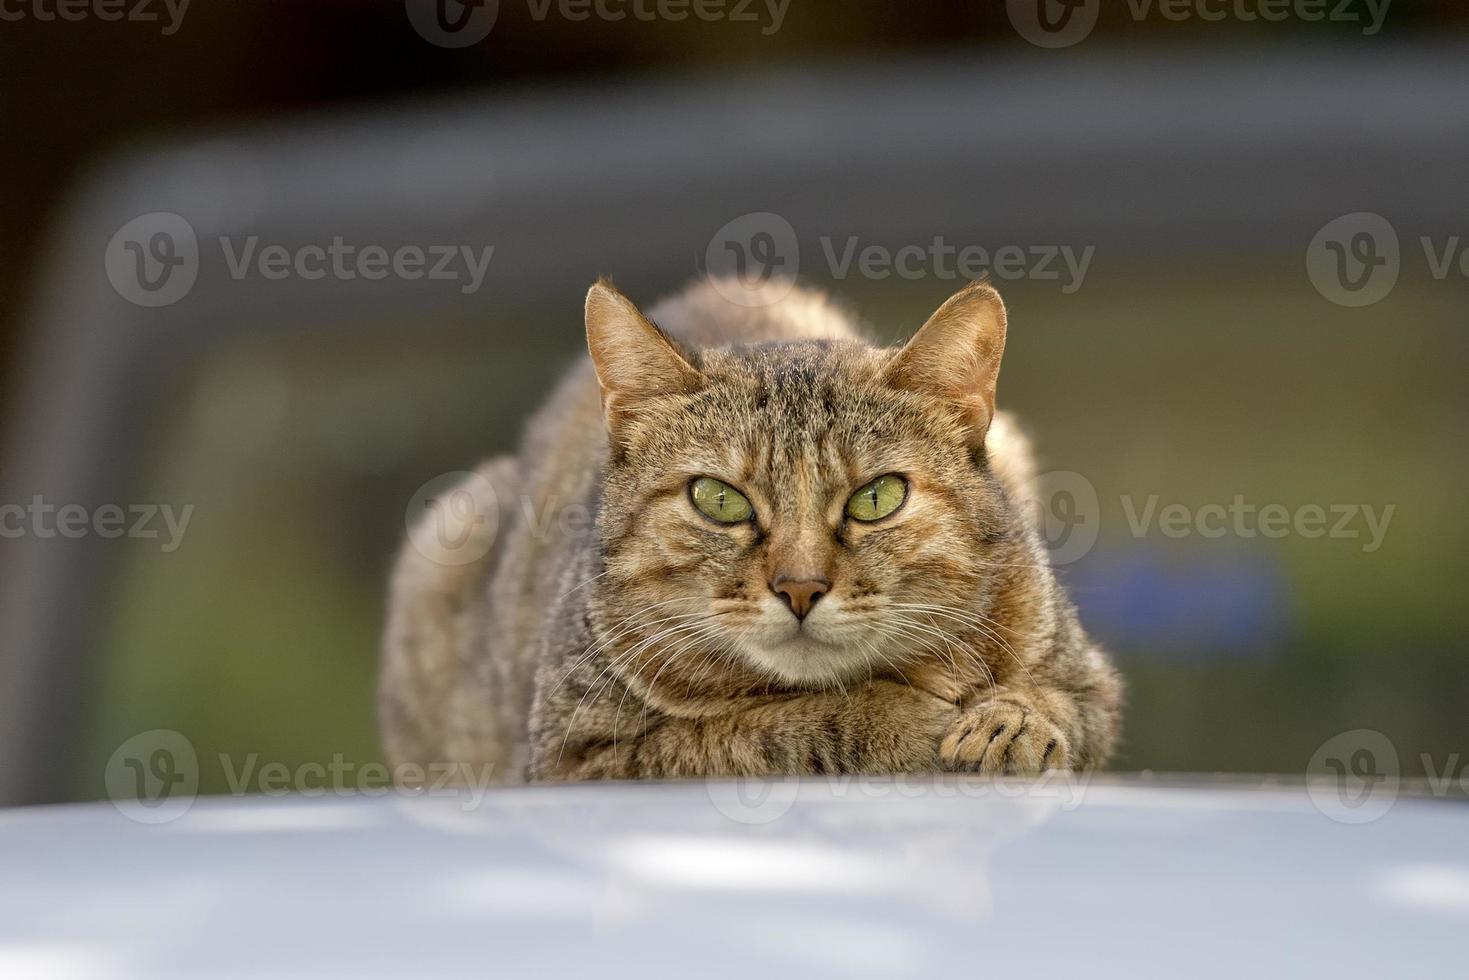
{"x":822,"y":878}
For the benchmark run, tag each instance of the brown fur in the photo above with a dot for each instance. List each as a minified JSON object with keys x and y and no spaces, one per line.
{"x":650,"y":643}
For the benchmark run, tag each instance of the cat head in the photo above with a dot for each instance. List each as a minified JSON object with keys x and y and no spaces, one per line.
{"x":790,"y":510}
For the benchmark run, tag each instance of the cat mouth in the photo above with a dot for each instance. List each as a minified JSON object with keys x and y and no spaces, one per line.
{"x":801,"y":636}
{"x":801,"y":631}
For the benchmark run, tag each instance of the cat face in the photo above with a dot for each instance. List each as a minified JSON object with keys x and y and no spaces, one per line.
{"x":804,"y":511}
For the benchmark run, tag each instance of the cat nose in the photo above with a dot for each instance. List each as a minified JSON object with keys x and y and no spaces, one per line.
{"x":800,"y":594}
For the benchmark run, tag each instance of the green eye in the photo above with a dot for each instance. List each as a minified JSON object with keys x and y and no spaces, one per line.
{"x":878,"y":499}
{"x":720,"y":501}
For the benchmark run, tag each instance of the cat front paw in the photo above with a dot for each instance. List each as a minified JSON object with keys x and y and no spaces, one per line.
{"x":1004,"y":735}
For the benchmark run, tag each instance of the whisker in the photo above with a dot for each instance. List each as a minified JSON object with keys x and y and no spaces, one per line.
{"x":617,"y":661}
{"x":973,"y":621}
{"x":627,"y":624}
{"x":710,"y":657}
{"x":957,"y":611}
{"x":919,"y":633}
{"x":971,"y":655}
{"x":582,"y":585}
{"x":705,"y":631}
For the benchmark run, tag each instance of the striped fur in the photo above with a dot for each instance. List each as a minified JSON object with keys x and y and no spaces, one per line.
{"x":647,"y":642}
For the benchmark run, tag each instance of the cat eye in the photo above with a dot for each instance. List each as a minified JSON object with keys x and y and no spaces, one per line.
{"x":719,"y":501}
{"x":878,"y":499}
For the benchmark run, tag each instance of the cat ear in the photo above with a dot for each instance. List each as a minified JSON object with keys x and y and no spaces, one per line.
{"x":956,"y":355}
{"x":634,"y":360}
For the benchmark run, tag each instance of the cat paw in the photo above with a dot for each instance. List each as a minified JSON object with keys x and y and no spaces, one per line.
{"x":1004,"y":736}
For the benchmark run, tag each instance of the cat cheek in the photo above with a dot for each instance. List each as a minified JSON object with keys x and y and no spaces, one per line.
{"x":719,"y":539}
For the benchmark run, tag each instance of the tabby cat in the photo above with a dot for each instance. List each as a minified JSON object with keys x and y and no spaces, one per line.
{"x":802,"y":554}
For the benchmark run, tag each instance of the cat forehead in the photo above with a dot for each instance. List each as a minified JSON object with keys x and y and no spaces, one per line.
{"x":770,"y":410}
{"x":794,"y":369}
{"x":775,"y":407}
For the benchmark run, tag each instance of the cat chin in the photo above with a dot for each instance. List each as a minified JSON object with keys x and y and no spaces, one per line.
{"x":804,"y":660}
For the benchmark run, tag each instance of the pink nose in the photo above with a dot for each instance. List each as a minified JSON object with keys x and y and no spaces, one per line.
{"x":800,"y":594}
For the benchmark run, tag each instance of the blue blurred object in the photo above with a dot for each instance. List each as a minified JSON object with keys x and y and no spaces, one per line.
{"x":1145,"y":602}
